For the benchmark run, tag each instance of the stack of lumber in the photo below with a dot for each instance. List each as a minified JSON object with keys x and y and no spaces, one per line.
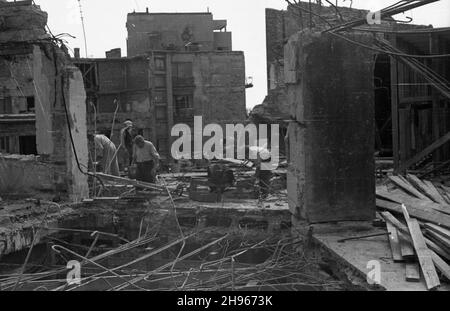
{"x":417,"y":215}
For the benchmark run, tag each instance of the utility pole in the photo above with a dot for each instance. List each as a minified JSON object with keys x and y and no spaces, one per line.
{"x":84,"y":29}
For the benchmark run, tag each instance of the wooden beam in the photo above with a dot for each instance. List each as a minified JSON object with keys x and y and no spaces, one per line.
{"x":412,"y":272}
{"x":406,"y":248}
{"x":394,"y":106}
{"x":441,"y":231}
{"x":403,"y":233}
{"x":441,"y":265}
{"x":407,"y":187}
{"x":417,"y":99}
{"x":394,"y":242}
{"x":423,"y":253}
{"x":433,"y":217}
{"x":401,"y":198}
{"x":436,"y":196}
{"x":434,"y":64}
{"x":440,"y":240}
{"x":437,"y":144}
{"x":126,"y":181}
{"x":429,"y":190}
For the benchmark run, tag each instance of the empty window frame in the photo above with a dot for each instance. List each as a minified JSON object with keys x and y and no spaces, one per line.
{"x":182,"y":70}
{"x":160,"y":97}
{"x":4,"y":145}
{"x":160,"y":81}
{"x":5,"y":105}
{"x":182,"y":102}
{"x":28,"y":145}
{"x":160,"y":64}
{"x":31,"y":104}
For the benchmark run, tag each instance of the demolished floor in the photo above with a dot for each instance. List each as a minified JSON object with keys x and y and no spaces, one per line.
{"x":158,"y":238}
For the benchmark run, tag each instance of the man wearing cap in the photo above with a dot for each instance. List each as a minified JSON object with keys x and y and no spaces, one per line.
{"x":127,"y":135}
{"x":146,"y":158}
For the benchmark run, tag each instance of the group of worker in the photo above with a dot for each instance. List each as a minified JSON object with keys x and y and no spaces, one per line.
{"x":143,"y":156}
{"x":141,"y":153}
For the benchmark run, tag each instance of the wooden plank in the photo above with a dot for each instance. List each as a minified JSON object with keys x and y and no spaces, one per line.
{"x":431,"y":148}
{"x":437,"y":249}
{"x":406,"y":248}
{"x":441,"y":231}
{"x":127,"y":181}
{"x":423,"y":253}
{"x":412,"y":272}
{"x":444,"y":194}
{"x":403,"y":233}
{"x":435,"y":66}
{"x":433,"y":217}
{"x":436,"y":196}
{"x":394,"y":106}
{"x":418,"y":99}
{"x":401,"y":198}
{"x":407,"y":187}
{"x":420,"y":185}
{"x":441,"y":265}
{"x":394,"y":242}
{"x":442,"y":241}
{"x":404,"y":134}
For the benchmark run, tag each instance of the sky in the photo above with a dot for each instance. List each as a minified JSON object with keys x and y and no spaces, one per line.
{"x":105,"y":25}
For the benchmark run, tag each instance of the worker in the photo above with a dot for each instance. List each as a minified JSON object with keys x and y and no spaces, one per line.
{"x":146,"y":159}
{"x":263,"y":175}
{"x":107,"y":149}
{"x":127,"y":134}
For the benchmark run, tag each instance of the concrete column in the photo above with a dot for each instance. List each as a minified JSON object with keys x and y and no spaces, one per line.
{"x":330,"y":92}
{"x":78,"y":188}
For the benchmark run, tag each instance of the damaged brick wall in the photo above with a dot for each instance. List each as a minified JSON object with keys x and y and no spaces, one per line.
{"x":330,"y":92}
{"x":220,"y":87}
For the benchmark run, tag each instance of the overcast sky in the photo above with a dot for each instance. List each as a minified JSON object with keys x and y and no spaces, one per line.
{"x":105,"y":25}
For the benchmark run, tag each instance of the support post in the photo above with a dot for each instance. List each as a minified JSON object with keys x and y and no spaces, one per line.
{"x":394,"y":108}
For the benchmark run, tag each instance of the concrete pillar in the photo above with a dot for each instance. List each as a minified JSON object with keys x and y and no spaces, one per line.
{"x":330,"y":92}
{"x":78,"y":188}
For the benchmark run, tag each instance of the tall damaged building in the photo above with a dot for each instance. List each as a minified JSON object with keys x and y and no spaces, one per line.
{"x":178,"y":65}
{"x":42,"y":108}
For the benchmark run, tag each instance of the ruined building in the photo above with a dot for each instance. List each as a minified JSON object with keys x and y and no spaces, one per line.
{"x":178,"y":65}
{"x":327,"y":90}
{"x":41,"y":98}
{"x":415,"y":102}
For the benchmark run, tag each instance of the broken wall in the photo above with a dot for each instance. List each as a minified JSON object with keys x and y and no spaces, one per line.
{"x":33,"y":66}
{"x":330,"y":92}
{"x":280,"y":25}
{"x":30,"y":176}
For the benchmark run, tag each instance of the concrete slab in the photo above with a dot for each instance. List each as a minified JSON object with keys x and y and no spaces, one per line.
{"x":19,"y":220}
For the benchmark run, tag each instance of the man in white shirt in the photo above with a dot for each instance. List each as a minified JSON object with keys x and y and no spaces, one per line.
{"x":146,"y":159}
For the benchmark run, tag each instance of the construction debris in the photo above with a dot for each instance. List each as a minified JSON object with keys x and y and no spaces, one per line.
{"x":413,"y":198}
